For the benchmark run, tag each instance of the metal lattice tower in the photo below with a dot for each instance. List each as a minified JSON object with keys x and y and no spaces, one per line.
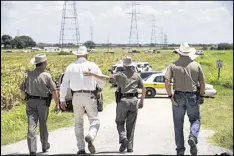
{"x":69,"y":32}
{"x":161,"y":38}
{"x":153,"y":39}
{"x":165,"y":40}
{"x":133,"y":36}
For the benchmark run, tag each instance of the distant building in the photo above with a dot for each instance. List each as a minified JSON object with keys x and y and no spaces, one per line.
{"x":35,"y":49}
{"x":52,"y":49}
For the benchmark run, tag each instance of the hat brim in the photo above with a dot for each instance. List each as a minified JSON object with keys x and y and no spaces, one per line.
{"x":191,"y":52}
{"x":33,"y":61}
{"x":79,"y":52}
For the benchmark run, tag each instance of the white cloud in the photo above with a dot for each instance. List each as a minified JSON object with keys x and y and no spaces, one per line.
{"x":194,"y":21}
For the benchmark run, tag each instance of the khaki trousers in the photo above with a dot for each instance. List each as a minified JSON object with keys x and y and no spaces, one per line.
{"x":36,"y":109}
{"x":85,"y":102}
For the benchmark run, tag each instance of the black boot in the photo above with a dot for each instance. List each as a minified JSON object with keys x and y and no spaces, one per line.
{"x":90,"y":144}
{"x":81,"y":152}
{"x":124,"y":145}
{"x":48,"y":147}
{"x":32,"y":153}
{"x":193,"y":146}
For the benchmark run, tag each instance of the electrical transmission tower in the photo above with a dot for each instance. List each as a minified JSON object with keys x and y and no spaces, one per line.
{"x":133,"y":36}
{"x":165,"y":40}
{"x":162,"y":37}
{"x":69,"y":32}
{"x":153,"y":40}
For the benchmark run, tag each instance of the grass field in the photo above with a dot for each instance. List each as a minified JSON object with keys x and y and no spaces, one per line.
{"x":217,"y":113}
{"x":14,"y":65}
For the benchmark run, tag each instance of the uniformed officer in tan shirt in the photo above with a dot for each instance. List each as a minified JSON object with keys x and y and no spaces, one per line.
{"x":128,"y":81}
{"x":186,"y":75}
{"x":35,"y":86}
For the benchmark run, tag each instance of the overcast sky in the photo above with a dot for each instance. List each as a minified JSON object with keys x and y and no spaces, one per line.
{"x":190,"y":21}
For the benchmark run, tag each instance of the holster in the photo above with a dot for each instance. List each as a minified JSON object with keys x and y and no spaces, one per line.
{"x":118,"y":95}
{"x":48,"y":99}
{"x":99,"y":98}
{"x":198,"y":96}
{"x":26,"y":96}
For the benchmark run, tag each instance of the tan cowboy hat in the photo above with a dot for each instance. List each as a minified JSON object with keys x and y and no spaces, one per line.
{"x":185,"y":49}
{"x":127,"y":61}
{"x":39,"y":58}
{"x":81,"y":51}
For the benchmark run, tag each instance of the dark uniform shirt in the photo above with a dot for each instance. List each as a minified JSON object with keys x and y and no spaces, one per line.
{"x":127,"y":80}
{"x":186,"y":74}
{"x":38,"y":83}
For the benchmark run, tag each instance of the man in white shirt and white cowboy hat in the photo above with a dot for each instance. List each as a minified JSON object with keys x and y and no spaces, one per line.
{"x":83,"y":88}
{"x":186,"y":75}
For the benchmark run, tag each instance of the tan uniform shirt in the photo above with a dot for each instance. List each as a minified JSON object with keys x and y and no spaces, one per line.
{"x":38,"y":83}
{"x":185,"y":73}
{"x":128,"y":81}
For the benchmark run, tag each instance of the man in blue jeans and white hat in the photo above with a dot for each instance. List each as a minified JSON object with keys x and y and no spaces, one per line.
{"x":186,"y":75}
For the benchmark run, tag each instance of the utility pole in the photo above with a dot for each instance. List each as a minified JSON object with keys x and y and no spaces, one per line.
{"x":107,"y":43}
{"x":133,"y":35}
{"x":69,"y":32}
{"x":91,"y":33}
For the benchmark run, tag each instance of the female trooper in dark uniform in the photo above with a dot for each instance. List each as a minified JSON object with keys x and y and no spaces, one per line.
{"x":127,"y":105}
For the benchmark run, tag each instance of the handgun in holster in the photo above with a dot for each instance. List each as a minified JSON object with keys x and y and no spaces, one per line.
{"x":48,"y":99}
{"x":118,"y":95}
{"x":26,"y":96}
{"x":198,"y":95}
{"x":99,"y":98}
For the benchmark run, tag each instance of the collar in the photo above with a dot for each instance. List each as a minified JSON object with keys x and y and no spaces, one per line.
{"x":81,"y":60}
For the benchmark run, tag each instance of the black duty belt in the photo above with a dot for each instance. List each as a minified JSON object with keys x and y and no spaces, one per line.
{"x":84,"y":91}
{"x":37,"y":97}
{"x":176,"y":91}
{"x":129,"y":94}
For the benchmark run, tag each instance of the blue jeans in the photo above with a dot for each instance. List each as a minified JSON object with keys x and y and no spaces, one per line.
{"x":189,"y":102}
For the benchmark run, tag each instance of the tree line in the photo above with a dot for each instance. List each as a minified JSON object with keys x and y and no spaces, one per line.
{"x":18,"y":42}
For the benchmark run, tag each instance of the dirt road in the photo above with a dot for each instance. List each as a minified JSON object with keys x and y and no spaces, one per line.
{"x":154,"y":134}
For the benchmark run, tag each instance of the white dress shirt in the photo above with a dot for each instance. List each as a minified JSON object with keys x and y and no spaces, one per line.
{"x":75,"y":79}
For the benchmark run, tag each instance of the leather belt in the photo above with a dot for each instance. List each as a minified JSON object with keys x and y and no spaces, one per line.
{"x":176,"y":91}
{"x":84,"y":91}
{"x":129,"y":94}
{"x":37,"y":97}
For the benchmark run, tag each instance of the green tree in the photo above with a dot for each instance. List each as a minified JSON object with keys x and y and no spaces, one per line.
{"x":6,"y":41}
{"x":90,"y":44}
{"x":23,"y":42}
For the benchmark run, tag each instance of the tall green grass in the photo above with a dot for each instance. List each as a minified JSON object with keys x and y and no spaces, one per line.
{"x":217,"y":113}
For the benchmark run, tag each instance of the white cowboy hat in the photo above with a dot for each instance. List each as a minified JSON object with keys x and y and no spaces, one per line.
{"x":81,"y":51}
{"x":185,"y":49}
{"x":39,"y":58}
{"x":127,"y":61}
